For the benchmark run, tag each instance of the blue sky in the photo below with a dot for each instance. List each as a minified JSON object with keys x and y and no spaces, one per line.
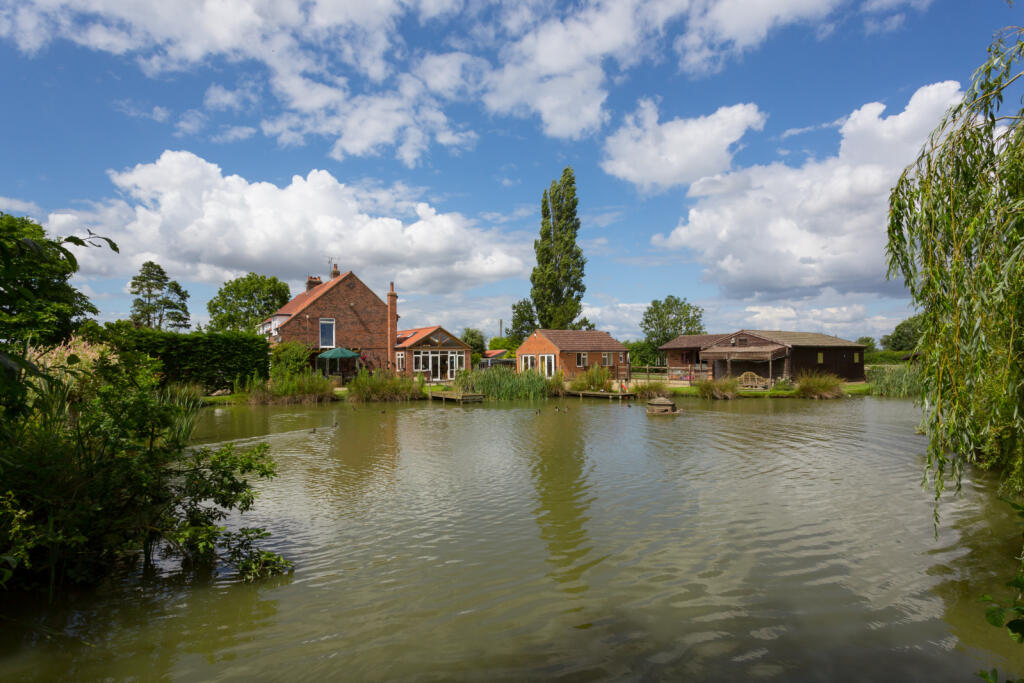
{"x":734,"y":152}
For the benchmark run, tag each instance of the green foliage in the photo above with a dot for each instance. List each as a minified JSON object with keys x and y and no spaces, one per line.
{"x":664,"y":320}
{"x":557,"y":280}
{"x":284,"y":386}
{"x":641,"y":353}
{"x":212,"y":359}
{"x":884,"y":357}
{"x":475,"y":339}
{"x":243,"y":303}
{"x":898,"y":381}
{"x":783,"y":385}
{"x":98,"y":475}
{"x":503,"y":383}
{"x":596,"y":378}
{"x":556,"y":384}
{"x":905,"y":336}
{"x":381,"y":385}
{"x":869,"y":344}
{"x":290,"y":357}
{"x":721,"y":388}
{"x":36,"y":302}
{"x":651,"y":389}
{"x":524,"y":322}
{"x":474,"y":359}
{"x":819,"y":385}
{"x":158,"y":299}
{"x":956,"y":237}
{"x":502,"y":343}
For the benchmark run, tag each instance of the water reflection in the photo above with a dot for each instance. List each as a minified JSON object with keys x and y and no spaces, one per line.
{"x":563,"y":494}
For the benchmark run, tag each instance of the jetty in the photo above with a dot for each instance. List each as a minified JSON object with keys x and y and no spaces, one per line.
{"x":457,"y":396}
{"x":629,"y":396}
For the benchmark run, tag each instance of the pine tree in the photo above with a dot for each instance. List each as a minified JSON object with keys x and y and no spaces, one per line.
{"x":158,"y":299}
{"x":557,"y":279}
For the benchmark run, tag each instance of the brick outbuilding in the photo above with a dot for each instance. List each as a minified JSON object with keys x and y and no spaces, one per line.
{"x":433,"y":352}
{"x":572,"y":352}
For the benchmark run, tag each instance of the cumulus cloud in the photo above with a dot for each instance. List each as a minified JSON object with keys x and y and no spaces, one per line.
{"x":660,"y":155}
{"x":12,"y":205}
{"x":776,"y":230}
{"x":202,"y":225}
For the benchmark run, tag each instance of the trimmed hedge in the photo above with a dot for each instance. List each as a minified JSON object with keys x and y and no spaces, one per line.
{"x":213,"y":359}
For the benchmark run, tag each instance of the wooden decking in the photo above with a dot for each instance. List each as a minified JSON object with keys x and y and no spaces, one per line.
{"x":602,"y":394}
{"x":456,"y":396}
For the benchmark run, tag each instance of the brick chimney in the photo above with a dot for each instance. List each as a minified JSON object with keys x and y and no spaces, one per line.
{"x":392,"y":325}
{"x":312,"y":282}
{"x":334,"y":271}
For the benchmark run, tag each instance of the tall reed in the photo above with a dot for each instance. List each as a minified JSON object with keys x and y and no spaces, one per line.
{"x":381,"y":385}
{"x":504,"y":383}
{"x":899,"y":381}
{"x":596,"y":378}
{"x":721,"y":388}
{"x":819,"y":385}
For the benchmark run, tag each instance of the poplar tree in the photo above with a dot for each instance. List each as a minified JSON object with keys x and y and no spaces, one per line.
{"x":557,"y":279}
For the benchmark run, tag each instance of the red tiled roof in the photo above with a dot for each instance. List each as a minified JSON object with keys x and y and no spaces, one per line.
{"x":583,"y":340}
{"x":494,"y":353}
{"x":691,"y":341}
{"x":406,"y":338}
{"x":299,"y":303}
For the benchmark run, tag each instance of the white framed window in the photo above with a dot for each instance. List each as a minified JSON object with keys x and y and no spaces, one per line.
{"x":400,"y":361}
{"x":606,"y":359}
{"x":581,"y":359}
{"x":417,"y":361}
{"x":528,"y":363}
{"x":622,"y":357}
{"x":326,"y":333}
{"x":547,"y":364}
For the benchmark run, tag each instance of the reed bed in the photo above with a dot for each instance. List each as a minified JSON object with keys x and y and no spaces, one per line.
{"x":505,"y":384}
{"x":305,"y":386}
{"x":381,"y":385}
{"x":596,"y":378}
{"x":898,"y":381}
{"x":651,"y":389}
{"x":724,"y":388}
{"x":819,"y":385}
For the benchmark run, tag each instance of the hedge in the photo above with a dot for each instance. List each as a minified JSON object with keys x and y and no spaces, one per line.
{"x":213,"y":359}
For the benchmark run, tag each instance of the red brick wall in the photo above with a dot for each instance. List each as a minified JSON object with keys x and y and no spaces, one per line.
{"x":360,"y":320}
{"x":537,"y":344}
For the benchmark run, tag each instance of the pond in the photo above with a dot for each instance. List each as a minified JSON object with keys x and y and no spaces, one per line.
{"x":585,"y":540}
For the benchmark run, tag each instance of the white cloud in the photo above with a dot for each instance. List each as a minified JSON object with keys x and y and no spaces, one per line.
{"x":781,"y":231}
{"x":234,"y":134}
{"x":201,"y":225}
{"x":657,"y":156}
{"x":156,"y":113}
{"x":10,"y":204}
{"x":719,"y":29}
{"x":889,"y":24}
{"x":219,"y":98}
{"x":190,"y":123}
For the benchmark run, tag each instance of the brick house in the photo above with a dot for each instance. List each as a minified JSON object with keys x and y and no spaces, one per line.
{"x":572,"y":352}
{"x":433,"y":352}
{"x":341,"y":312}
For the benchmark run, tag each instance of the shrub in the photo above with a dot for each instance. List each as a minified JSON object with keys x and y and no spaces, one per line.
{"x":884,"y":357}
{"x":381,"y":385}
{"x":503,"y":383}
{"x":97,"y":474}
{"x":783,"y":384}
{"x":596,"y":378}
{"x":212,"y":359}
{"x":304,"y":386}
{"x":650,"y":389}
{"x":900,"y":381}
{"x":290,"y":357}
{"x":819,"y":385}
{"x":722,"y":388}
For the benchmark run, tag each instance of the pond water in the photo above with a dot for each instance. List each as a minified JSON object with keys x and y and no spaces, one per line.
{"x":583,"y":540}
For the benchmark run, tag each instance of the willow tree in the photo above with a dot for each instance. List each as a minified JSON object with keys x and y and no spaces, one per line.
{"x":956,"y":235}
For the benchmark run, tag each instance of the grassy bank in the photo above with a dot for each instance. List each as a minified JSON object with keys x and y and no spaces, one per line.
{"x":380,"y":385}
